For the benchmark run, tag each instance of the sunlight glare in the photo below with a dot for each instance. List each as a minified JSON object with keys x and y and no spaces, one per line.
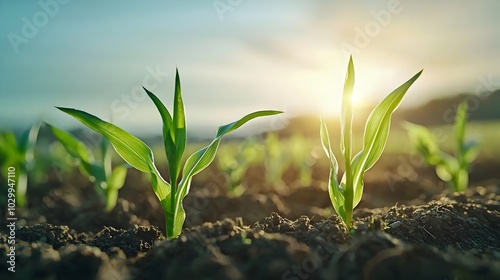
{"x":356,"y":100}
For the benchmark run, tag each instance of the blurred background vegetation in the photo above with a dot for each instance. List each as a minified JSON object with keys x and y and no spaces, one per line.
{"x":292,"y":157}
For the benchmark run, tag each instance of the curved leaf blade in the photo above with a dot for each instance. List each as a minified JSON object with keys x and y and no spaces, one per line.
{"x":168,"y":131}
{"x":129,"y":147}
{"x":174,"y":128}
{"x":72,"y":145}
{"x":424,"y":142}
{"x":335,"y":191}
{"x":228,"y":128}
{"x":346,"y":111}
{"x":28,"y":141}
{"x":470,"y":152}
{"x":377,"y":129}
{"x":376,"y":134}
{"x":179,"y":121}
{"x":201,"y":159}
{"x":378,"y":124}
{"x":357,"y":185}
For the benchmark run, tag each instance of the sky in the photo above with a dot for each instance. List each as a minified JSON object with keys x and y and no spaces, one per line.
{"x":235,"y":56}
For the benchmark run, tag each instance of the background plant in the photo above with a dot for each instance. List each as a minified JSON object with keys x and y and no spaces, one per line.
{"x":140,"y":156}
{"x":276,"y":160}
{"x":302,"y":159}
{"x":19,"y":153}
{"x":235,"y":161}
{"x":454,"y":170}
{"x":347,"y":194}
{"x":107,"y":181}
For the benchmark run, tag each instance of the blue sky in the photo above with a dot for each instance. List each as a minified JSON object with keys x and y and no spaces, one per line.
{"x":235,"y":56}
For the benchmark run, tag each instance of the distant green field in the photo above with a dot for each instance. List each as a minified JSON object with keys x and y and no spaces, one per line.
{"x":487,"y":134}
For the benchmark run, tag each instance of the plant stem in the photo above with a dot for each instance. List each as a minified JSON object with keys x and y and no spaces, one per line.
{"x":111,"y":197}
{"x":349,"y":192}
{"x":347,"y":115}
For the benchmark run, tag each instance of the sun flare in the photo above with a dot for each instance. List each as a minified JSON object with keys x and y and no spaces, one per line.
{"x":357,"y":100}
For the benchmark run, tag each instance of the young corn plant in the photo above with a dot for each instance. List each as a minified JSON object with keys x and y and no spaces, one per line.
{"x":18,"y":155}
{"x":302,"y":158}
{"x":234,"y":163}
{"x":107,"y":181}
{"x":140,"y":156}
{"x":454,"y":170}
{"x":346,"y":194}
{"x":276,"y":160}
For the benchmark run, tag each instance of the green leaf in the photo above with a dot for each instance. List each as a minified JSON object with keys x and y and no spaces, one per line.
{"x":447,"y":167}
{"x":114,"y":183}
{"x":162,"y":190}
{"x":358,"y":185}
{"x":174,"y":129}
{"x":179,"y":121}
{"x":470,"y":151}
{"x":346,"y":141}
{"x":10,"y":149}
{"x":129,"y":147}
{"x":21,"y":186}
{"x":425,"y":143}
{"x":200,"y":160}
{"x":28,"y":142}
{"x":347,"y":113}
{"x":168,"y":131}
{"x":74,"y":147}
{"x":460,"y":120}
{"x":377,"y":130}
{"x":20,"y":154}
{"x":325,"y":142}
{"x":443,"y":172}
{"x":335,"y":191}
{"x":462,"y":180}
{"x":117,"y":177}
{"x":378,"y":124}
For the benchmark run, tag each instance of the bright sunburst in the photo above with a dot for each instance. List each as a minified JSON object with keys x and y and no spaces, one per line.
{"x":356,"y":100}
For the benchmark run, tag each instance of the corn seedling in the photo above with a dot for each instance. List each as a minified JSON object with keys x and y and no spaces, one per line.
{"x":235,"y":163}
{"x":17,"y":157}
{"x":347,"y":194}
{"x":454,"y":170}
{"x":302,"y":158}
{"x":276,"y":160}
{"x":107,"y":181}
{"x":140,"y":156}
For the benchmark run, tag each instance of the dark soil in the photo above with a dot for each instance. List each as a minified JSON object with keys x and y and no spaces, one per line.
{"x":406,"y":228}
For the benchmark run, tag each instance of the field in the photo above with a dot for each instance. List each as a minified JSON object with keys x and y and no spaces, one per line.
{"x":232,"y":139}
{"x":275,"y":221}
